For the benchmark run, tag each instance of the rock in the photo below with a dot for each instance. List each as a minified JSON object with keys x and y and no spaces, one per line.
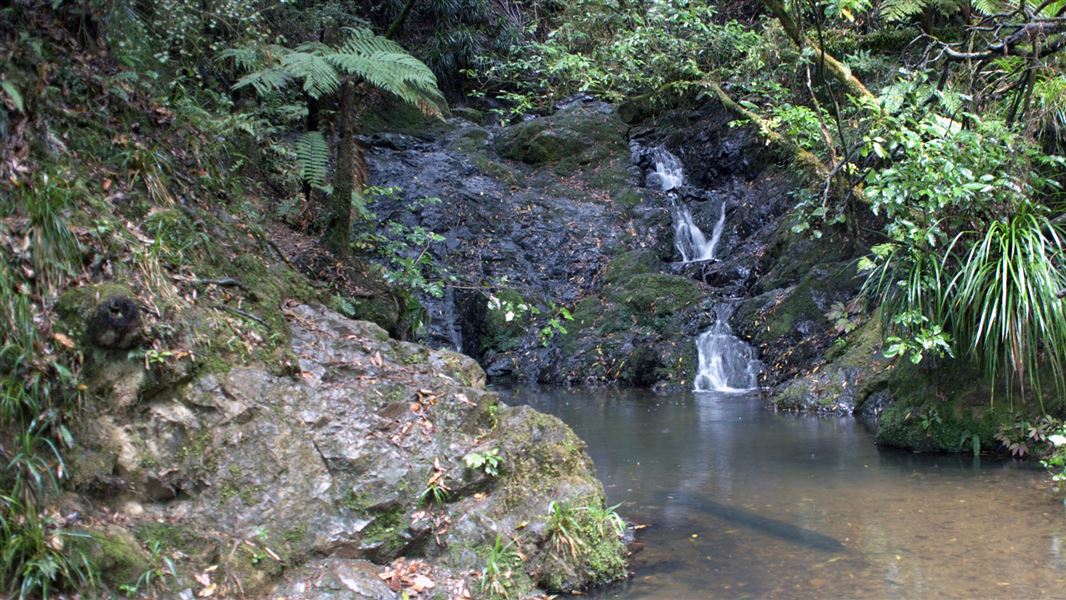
{"x":115,"y":323}
{"x":335,"y":464}
{"x":582,"y":133}
{"x":334,"y":579}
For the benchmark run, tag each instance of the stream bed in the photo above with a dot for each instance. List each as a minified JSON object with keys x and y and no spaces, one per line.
{"x":738,"y":501}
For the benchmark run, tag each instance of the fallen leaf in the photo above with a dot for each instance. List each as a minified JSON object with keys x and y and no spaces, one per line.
{"x":64,"y":340}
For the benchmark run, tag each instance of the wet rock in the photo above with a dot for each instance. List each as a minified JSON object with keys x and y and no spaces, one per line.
{"x":336,"y":462}
{"x":335,"y":579}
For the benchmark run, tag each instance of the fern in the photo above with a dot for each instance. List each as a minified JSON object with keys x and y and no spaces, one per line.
{"x":901,"y":10}
{"x":312,"y":155}
{"x":319,"y":77}
{"x":375,"y":59}
{"x":266,"y":81}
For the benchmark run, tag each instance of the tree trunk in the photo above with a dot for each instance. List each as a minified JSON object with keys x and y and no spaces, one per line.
{"x":340,"y":220}
{"x":834,"y":67}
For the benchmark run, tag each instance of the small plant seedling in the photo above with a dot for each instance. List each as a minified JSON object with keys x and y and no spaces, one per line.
{"x":489,"y":461}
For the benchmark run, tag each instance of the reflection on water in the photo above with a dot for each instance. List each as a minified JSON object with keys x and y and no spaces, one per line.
{"x":744,"y":502}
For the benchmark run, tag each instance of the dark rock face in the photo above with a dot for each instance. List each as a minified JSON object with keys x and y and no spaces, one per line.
{"x":338,"y":464}
{"x":115,"y":324}
{"x":544,"y":210}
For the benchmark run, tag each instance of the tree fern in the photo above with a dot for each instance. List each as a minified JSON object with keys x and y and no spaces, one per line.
{"x":319,"y":77}
{"x":381,"y":62}
{"x":312,"y":155}
{"x":901,"y":10}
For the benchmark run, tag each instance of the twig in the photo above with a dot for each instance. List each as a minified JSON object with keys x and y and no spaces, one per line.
{"x":243,"y":313}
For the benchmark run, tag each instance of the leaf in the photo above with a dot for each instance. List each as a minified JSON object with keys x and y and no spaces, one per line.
{"x":14,"y":94}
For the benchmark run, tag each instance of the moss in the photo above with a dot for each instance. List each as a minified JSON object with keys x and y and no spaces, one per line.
{"x":648,"y":296}
{"x":114,"y":553}
{"x":581,"y":136}
{"x":597,"y":555}
{"x":77,"y":304}
{"x":932,"y":411}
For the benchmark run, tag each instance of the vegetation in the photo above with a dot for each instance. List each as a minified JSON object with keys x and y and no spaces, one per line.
{"x":149,"y":149}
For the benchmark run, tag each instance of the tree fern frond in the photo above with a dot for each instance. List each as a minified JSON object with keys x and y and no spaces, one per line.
{"x":319,"y":77}
{"x":265,"y":81}
{"x":244,"y":59}
{"x":901,"y":10}
{"x":395,"y":72}
{"x":989,"y":7}
{"x":312,"y":155}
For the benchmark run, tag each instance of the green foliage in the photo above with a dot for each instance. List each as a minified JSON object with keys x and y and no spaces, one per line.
{"x":1023,"y":438}
{"x":616,"y":51}
{"x":899,"y":10}
{"x":489,"y":461}
{"x":36,"y":383}
{"x":160,"y":570}
{"x":33,"y":559}
{"x":320,"y":68}
{"x":974,"y":260}
{"x":501,"y":563}
{"x":312,"y":154}
{"x":1055,"y":462}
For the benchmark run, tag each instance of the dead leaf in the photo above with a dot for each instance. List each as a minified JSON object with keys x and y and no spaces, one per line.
{"x":64,"y":340}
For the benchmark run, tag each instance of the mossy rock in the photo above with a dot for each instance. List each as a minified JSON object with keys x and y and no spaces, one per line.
{"x":598,"y":552}
{"x":856,"y":368}
{"x":587,"y":132}
{"x":932,"y":411}
{"x":635,"y":262}
{"x":656,"y":294}
{"x":114,"y":552}
{"x":76,"y":306}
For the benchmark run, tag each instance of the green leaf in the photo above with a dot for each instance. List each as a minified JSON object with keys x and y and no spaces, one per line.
{"x":13,"y":93}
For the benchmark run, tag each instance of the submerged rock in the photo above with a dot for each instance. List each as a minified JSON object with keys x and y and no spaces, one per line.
{"x":354,"y":463}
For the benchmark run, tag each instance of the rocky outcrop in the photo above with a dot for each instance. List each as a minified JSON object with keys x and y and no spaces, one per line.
{"x":347,"y":480}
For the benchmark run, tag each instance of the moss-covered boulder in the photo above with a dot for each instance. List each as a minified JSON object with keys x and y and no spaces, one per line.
{"x":639,"y":331}
{"x":854,"y":368}
{"x":583,"y":134}
{"x":359,"y":457}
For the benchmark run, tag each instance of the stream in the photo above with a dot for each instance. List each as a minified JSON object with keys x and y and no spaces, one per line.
{"x":738,"y":501}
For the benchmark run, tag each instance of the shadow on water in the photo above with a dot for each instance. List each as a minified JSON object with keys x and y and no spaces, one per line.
{"x":739,"y":517}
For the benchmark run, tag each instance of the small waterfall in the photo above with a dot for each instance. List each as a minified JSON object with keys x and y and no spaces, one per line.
{"x":689,"y":239}
{"x":726,"y":364}
{"x":669,"y":172}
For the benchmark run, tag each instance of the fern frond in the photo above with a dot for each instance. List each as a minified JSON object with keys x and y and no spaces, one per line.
{"x":319,"y":77}
{"x":901,"y":10}
{"x":244,"y":59}
{"x":312,"y":156}
{"x":989,"y":7}
{"x":266,"y":81}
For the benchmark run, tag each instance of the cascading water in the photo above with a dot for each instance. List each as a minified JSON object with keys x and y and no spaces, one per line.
{"x":726,"y":364}
{"x":669,"y":172}
{"x":689,"y":239}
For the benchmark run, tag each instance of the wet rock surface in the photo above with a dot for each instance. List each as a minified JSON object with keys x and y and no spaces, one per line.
{"x":543,"y":211}
{"x":306,"y":486}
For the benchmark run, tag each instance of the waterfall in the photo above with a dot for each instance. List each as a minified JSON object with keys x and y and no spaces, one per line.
{"x":726,"y":364}
{"x":669,"y":172}
{"x":689,"y":239}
